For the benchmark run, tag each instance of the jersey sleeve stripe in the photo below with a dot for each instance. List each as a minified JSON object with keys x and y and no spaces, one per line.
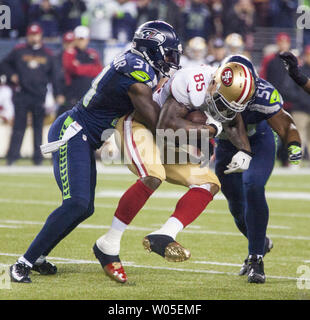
{"x":131,"y":147}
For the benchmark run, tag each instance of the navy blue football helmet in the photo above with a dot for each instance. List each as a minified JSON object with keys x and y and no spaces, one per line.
{"x":159,"y":45}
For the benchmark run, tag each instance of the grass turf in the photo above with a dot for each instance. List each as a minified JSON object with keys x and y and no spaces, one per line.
{"x":216,"y":245}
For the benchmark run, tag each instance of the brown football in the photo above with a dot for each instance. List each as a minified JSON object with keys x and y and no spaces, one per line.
{"x":197,"y":117}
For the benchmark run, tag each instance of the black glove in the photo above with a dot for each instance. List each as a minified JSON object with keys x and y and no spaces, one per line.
{"x":291,"y":64}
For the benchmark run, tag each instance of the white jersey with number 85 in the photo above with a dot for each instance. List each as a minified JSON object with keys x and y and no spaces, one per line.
{"x":188,"y":86}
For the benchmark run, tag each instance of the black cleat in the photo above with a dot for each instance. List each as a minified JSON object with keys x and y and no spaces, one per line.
{"x":166,"y":247}
{"x":244,"y":269}
{"x":19,"y":272}
{"x":256,"y":272}
{"x":45,"y":268}
{"x":268,"y":246}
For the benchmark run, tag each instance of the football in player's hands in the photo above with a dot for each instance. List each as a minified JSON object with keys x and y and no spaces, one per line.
{"x":197,"y":117}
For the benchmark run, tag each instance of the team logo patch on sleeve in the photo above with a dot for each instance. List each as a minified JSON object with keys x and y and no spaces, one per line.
{"x":275,"y":97}
{"x":227,"y":77}
{"x":140,"y":76}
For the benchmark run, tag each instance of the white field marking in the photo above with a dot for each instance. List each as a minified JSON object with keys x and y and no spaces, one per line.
{"x":116,"y":193}
{"x":115,"y":177}
{"x":271,"y":226}
{"x":305,"y":215}
{"x":19,"y":223}
{"x":218,"y":263}
{"x":133,"y":265}
{"x":9,"y":227}
{"x":289,"y":185}
{"x":23,"y":185}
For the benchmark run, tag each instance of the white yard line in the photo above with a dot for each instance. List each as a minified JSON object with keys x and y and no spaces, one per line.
{"x":133,"y":265}
{"x":20,"y":223}
{"x":167,"y":209}
{"x":9,"y":227}
{"x":116,"y":193}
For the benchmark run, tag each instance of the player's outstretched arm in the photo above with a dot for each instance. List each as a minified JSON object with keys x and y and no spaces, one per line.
{"x":146,"y":109}
{"x":291,"y":64}
{"x":283,"y":124}
{"x":172,"y":116}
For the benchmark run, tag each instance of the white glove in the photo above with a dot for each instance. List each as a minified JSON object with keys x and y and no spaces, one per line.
{"x":239,"y":162}
{"x":214,"y":123}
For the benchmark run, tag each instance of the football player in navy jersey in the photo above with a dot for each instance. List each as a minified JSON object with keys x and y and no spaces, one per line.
{"x":123,"y":86}
{"x":245,"y":191}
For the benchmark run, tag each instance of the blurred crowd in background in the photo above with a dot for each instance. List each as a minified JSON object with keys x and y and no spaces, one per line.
{"x":38,"y":83}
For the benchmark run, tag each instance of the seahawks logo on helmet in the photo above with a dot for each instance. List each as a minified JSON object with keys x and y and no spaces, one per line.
{"x":152,"y":34}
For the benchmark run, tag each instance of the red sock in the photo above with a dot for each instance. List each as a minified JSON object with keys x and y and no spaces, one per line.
{"x":191,"y":205}
{"x":132,"y":201}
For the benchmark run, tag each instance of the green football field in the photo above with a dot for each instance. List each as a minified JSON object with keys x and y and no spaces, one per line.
{"x":218,"y":249}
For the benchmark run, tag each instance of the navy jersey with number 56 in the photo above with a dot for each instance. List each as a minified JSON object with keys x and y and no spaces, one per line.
{"x":107,"y":99}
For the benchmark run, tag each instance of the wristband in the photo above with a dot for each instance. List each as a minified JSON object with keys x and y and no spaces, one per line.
{"x":215,"y":127}
{"x":294,"y":143}
{"x":251,"y":154}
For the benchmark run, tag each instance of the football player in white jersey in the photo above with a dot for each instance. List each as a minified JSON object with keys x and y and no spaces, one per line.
{"x":189,"y":89}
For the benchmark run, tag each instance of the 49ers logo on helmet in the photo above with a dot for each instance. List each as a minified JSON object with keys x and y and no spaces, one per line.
{"x":227,"y":76}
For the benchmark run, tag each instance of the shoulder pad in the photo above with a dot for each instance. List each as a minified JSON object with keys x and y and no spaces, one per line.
{"x":136,"y":68}
{"x":267,"y":100}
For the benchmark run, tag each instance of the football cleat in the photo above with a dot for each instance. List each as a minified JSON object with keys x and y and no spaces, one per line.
{"x":19,"y":272}
{"x":256,"y":272}
{"x":111,"y":265}
{"x":45,"y":268}
{"x":268,"y":246}
{"x":166,"y":247}
{"x":244,"y":269}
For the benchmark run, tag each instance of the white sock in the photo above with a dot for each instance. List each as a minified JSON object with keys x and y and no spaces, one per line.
{"x":110,"y":242}
{"x":171,"y":228}
{"x":40,"y":260}
{"x":23,"y":260}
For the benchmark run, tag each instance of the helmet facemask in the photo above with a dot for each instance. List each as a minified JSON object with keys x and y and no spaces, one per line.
{"x":231,"y":90}
{"x":219,"y":108}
